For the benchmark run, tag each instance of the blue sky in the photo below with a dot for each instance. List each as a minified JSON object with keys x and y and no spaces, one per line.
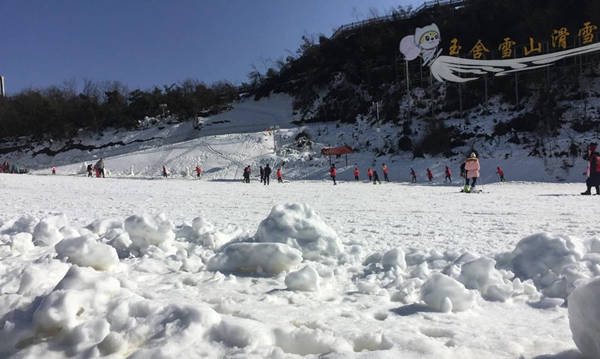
{"x":151,"y":42}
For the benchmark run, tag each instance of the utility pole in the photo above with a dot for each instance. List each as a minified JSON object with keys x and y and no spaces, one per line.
{"x":2,"y":88}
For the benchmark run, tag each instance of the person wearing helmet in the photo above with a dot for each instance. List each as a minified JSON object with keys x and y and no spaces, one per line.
{"x":593,"y":170}
{"x":471,"y":172}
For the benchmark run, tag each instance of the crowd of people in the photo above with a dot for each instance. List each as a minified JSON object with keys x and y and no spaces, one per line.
{"x":11,"y":168}
{"x":469,"y":170}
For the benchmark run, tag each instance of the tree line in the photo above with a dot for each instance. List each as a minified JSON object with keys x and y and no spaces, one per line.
{"x":62,"y":111}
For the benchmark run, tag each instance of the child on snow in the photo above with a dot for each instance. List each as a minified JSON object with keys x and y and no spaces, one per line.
{"x":471,"y":172}
{"x":593,"y":171}
{"x":385,"y":173}
{"x":429,"y":175}
{"x":376,"y":178}
{"x":370,"y":174}
{"x":279,"y":178}
{"x":356,"y":172}
{"x":500,"y":173}
{"x":413,"y":175}
{"x":333,"y":173}
{"x":448,"y":175}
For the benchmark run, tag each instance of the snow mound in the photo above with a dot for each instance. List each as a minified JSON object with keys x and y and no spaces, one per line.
{"x":584,"y":318}
{"x":87,"y":251}
{"x":299,"y":226}
{"x":554,"y":263}
{"x":24,"y":224}
{"x":481,"y":274}
{"x":204,"y":233}
{"x":394,"y":258}
{"x":47,"y":231}
{"x":445,"y":294}
{"x":257,"y":258}
{"x":306,"y":279}
{"x":21,"y":242}
{"x":145,"y":231}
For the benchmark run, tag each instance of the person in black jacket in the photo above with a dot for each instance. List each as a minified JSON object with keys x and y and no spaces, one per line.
{"x":262,"y":174}
{"x":593,"y":171}
{"x":267,"y":174}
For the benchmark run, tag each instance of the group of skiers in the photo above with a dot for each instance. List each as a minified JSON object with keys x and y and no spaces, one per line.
{"x":469,"y":170}
{"x":98,"y":168}
{"x":265,"y":174}
{"x":11,"y":168}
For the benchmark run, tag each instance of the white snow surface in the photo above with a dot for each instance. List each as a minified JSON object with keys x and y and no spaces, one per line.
{"x":184,"y":268}
{"x":584,"y":318}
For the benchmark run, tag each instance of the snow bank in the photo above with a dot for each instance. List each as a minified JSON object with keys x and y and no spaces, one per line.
{"x":584,"y":318}
{"x":145,"y":231}
{"x":257,"y":258}
{"x":298,"y":225}
{"x":306,"y":279}
{"x":554,"y":263}
{"x":444,"y":294}
{"x":87,"y":251}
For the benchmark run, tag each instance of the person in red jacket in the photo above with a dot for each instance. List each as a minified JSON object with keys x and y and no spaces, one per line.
{"x":448,"y":175}
{"x":501,"y":174}
{"x":279,"y":179}
{"x":429,"y":175}
{"x":53,"y":170}
{"x":356,"y":173}
{"x":370,"y":174}
{"x":593,"y":170}
{"x":333,"y":173}
{"x":385,"y":173}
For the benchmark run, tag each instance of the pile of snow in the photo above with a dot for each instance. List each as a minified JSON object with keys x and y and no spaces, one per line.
{"x":554,"y":263}
{"x":306,"y":279}
{"x":87,"y":251}
{"x":445,"y":294}
{"x":204,"y":233}
{"x":47,"y":231}
{"x":481,"y":274}
{"x":145,"y":231}
{"x":584,"y":318}
{"x":298,"y":226}
{"x":256,"y":258}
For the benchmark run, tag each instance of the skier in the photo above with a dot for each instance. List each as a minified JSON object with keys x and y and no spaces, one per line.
{"x":376,"y":177}
{"x":385,"y":173}
{"x":356,"y":173}
{"x":165,"y":172}
{"x":53,"y":170}
{"x":429,"y":175}
{"x":370,"y":174}
{"x":262,"y":174}
{"x":247,"y":174}
{"x":267,"y":174}
{"x":413,"y":175}
{"x":198,"y":171}
{"x":279,"y":179}
{"x":593,"y":170}
{"x":100,"y":168}
{"x":448,"y":175}
{"x":471,"y":172}
{"x":500,"y":173}
{"x":333,"y":173}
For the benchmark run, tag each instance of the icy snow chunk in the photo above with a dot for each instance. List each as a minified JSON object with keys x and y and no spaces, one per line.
{"x":47,"y":231}
{"x":101,"y":226}
{"x":242,"y":333}
{"x":481,"y":274}
{"x":259,"y":258}
{"x":306,"y":279}
{"x":298,"y":225}
{"x":552,"y":262}
{"x":394,"y":258}
{"x":584,"y":318}
{"x":24,"y":224}
{"x":87,"y":251}
{"x":145,"y":231}
{"x":205,"y":233}
{"x":445,"y":294}
{"x":306,"y":341}
{"x":21,"y":242}
{"x":82,"y":290}
{"x":119,"y":240}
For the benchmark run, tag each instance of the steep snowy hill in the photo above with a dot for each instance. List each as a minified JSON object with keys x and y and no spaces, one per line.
{"x":255,"y":133}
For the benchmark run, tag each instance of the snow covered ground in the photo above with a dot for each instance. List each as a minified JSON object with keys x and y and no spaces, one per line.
{"x":196,"y":268}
